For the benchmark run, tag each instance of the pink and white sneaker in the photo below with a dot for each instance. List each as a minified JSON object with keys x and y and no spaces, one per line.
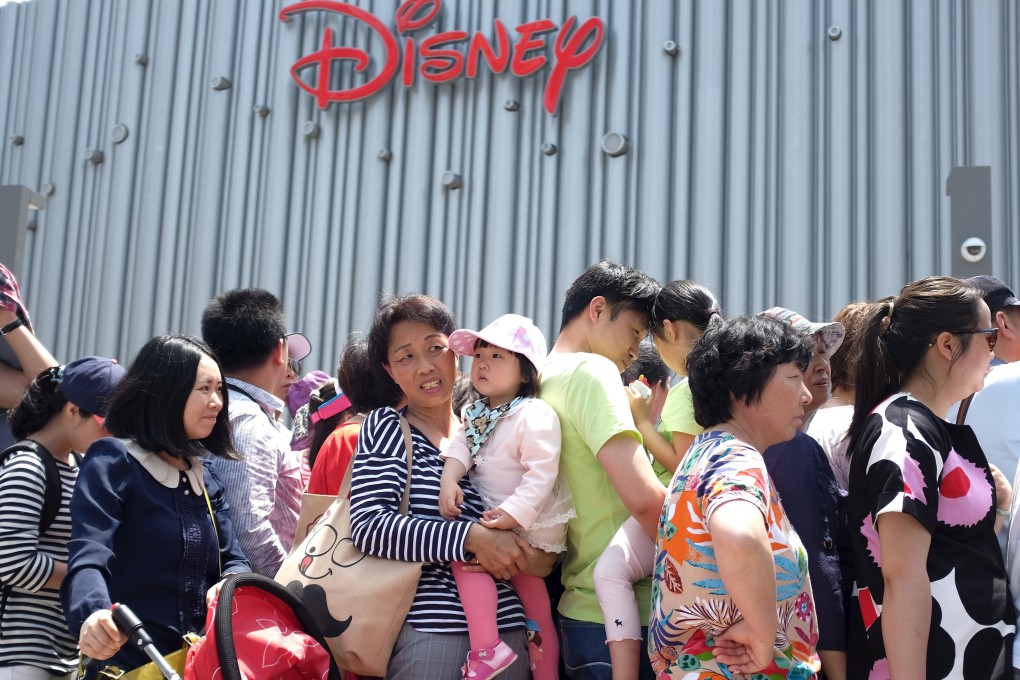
{"x":489,"y":662}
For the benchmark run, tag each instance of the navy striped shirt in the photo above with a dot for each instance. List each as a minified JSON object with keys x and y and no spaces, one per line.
{"x":33,"y":631}
{"x":378,"y":528}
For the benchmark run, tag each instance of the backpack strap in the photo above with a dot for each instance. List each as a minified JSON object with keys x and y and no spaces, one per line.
{"x":51,"y":498}
{"x":54,"y":489}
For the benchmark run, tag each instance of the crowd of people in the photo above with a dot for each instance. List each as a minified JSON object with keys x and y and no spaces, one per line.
{"x":804,"y":499}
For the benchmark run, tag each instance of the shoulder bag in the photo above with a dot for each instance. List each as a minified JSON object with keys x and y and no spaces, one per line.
{"x":358,"y":601}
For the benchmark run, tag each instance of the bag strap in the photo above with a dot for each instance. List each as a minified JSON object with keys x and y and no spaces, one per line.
{"x":409,"y":448}
{"x":961,"y":415}
{"x":216,"y":531}
{"x":345,"y":487}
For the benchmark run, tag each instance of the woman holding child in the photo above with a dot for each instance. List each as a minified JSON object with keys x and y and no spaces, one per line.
{"x":409,"y":346}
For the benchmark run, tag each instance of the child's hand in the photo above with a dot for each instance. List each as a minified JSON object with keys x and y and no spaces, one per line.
{"x":450,"y":499}
{"x":640,"y":405}
{"x":497,"y":519}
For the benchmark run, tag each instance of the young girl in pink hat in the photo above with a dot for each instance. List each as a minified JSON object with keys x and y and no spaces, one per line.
{"x":509,"y":442}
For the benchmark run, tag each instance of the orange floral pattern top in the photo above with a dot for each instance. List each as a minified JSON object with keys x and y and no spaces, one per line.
{"x":690,"y":602}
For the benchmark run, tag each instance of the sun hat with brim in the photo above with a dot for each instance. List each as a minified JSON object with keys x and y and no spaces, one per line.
{"x":996,"y":293}
{"x":830,"y":332}
{"x":88,"y":383}
{"x":511,"y":331}
{"x":298,"y":346}
{"x":301,"y":389}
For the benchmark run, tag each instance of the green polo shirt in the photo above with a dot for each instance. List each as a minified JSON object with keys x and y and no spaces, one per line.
{"x":586,"y":392}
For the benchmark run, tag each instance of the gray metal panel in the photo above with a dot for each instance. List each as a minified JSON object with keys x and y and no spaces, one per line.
{"x":774,"y":163}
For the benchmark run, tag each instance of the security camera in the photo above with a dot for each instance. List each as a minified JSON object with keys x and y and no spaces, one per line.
{"x":973,"y":249}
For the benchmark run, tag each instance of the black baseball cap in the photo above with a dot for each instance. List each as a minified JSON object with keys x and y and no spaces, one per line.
{"x":995,"y":291}
{"x":88,"y":383}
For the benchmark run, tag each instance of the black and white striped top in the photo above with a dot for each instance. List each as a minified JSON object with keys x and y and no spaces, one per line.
{"x":33,"y":631}
{"x":378,"y":528}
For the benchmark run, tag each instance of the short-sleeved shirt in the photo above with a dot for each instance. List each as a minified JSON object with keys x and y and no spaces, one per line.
{"x":585,"y":391}
{"x":690,"y":602}
{"x":677,"y":416}
{"x":910,"y":461}
{"x":331,"y":463}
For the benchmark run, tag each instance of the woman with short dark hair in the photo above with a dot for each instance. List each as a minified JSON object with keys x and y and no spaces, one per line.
{"x":409,"y":348}
{"x":730,"y":591}
{"x":149,"y":527}
{"x":930,"y":596}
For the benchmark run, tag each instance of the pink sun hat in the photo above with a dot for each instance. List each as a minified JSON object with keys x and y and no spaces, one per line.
{"x":511,"y":331}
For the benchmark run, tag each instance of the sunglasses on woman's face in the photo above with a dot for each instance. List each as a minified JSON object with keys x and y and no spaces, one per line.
{"x":991,"y":335}
{"x":295,"y":366}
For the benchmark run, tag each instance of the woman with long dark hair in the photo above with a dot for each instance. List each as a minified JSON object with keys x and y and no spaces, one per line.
{"x":149,"y":528}
{"x":931,"y":595}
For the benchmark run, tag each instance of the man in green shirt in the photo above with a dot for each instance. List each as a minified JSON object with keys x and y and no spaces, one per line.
{"x":605,"y":316}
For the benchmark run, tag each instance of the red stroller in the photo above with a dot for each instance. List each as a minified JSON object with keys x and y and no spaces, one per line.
{"x":255,"y":630}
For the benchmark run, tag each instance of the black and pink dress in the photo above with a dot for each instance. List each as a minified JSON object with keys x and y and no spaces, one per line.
{"x":908,"y":460}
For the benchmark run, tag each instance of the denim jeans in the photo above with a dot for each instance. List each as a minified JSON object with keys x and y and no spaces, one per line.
{"x":585,"y":653}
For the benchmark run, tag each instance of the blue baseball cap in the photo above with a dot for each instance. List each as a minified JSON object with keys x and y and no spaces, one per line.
{"x":88,"y":383}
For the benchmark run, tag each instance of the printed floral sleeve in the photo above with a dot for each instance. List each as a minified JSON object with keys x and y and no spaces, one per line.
{"x":735,"y":472}
{"x":903,"y":442}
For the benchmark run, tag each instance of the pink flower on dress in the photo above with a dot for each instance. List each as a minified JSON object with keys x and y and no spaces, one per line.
{"x":804,"y":607}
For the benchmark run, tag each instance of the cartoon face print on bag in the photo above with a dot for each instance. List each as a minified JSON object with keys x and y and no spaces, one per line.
{"x":325,"y":542}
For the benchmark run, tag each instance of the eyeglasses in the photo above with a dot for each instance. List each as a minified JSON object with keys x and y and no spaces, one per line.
{"x":295,"y":366}
{"x":991,"y":335}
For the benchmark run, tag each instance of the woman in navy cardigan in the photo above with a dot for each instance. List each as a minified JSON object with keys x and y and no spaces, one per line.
{"x":141,"y":530}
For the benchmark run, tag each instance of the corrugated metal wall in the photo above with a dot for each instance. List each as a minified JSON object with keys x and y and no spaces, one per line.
{"x":767,"y":159}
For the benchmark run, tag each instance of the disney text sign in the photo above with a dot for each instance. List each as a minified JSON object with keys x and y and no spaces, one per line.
{"x":437,"y":58}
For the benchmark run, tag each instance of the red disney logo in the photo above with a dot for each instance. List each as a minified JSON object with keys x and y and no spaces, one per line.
{"x":440,"y":61}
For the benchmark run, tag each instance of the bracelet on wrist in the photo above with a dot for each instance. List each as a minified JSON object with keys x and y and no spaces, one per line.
{"x":11,"y":326}
{"x":1002,"y":512}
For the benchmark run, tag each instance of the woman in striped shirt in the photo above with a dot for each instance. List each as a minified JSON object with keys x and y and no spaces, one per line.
{"x":59,"y":414}
{"x":408,"y":344}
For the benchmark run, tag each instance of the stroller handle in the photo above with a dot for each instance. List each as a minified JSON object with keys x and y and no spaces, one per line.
{"x":131,"y":626}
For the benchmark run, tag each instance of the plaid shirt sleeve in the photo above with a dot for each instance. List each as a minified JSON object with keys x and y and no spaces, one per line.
{"x":10,"y":295}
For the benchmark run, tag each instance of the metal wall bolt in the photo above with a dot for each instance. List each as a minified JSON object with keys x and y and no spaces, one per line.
{"x":48,"y":189}
{"x":671,"y":48}
{"x":385,"y":155}
{"x":17,"y":140}
{"x":615,"y":144}
{"x":512,"y":105}
{"x":142,"y":59}
{"x":549,"y":149}
{"x":452,"y":180}
{"x":94,"y":156}
{"x":835,"y":32}
{"x":119,"y":133}
{"x":311,"y":129}
{"x":219,"y":83}
{"x":261,"y":109}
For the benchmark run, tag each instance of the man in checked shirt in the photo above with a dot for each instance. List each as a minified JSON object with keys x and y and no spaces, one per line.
{"x":247,"y":330}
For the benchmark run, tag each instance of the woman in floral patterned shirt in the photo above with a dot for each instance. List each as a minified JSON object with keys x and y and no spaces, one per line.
{"x":731,"y":592}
